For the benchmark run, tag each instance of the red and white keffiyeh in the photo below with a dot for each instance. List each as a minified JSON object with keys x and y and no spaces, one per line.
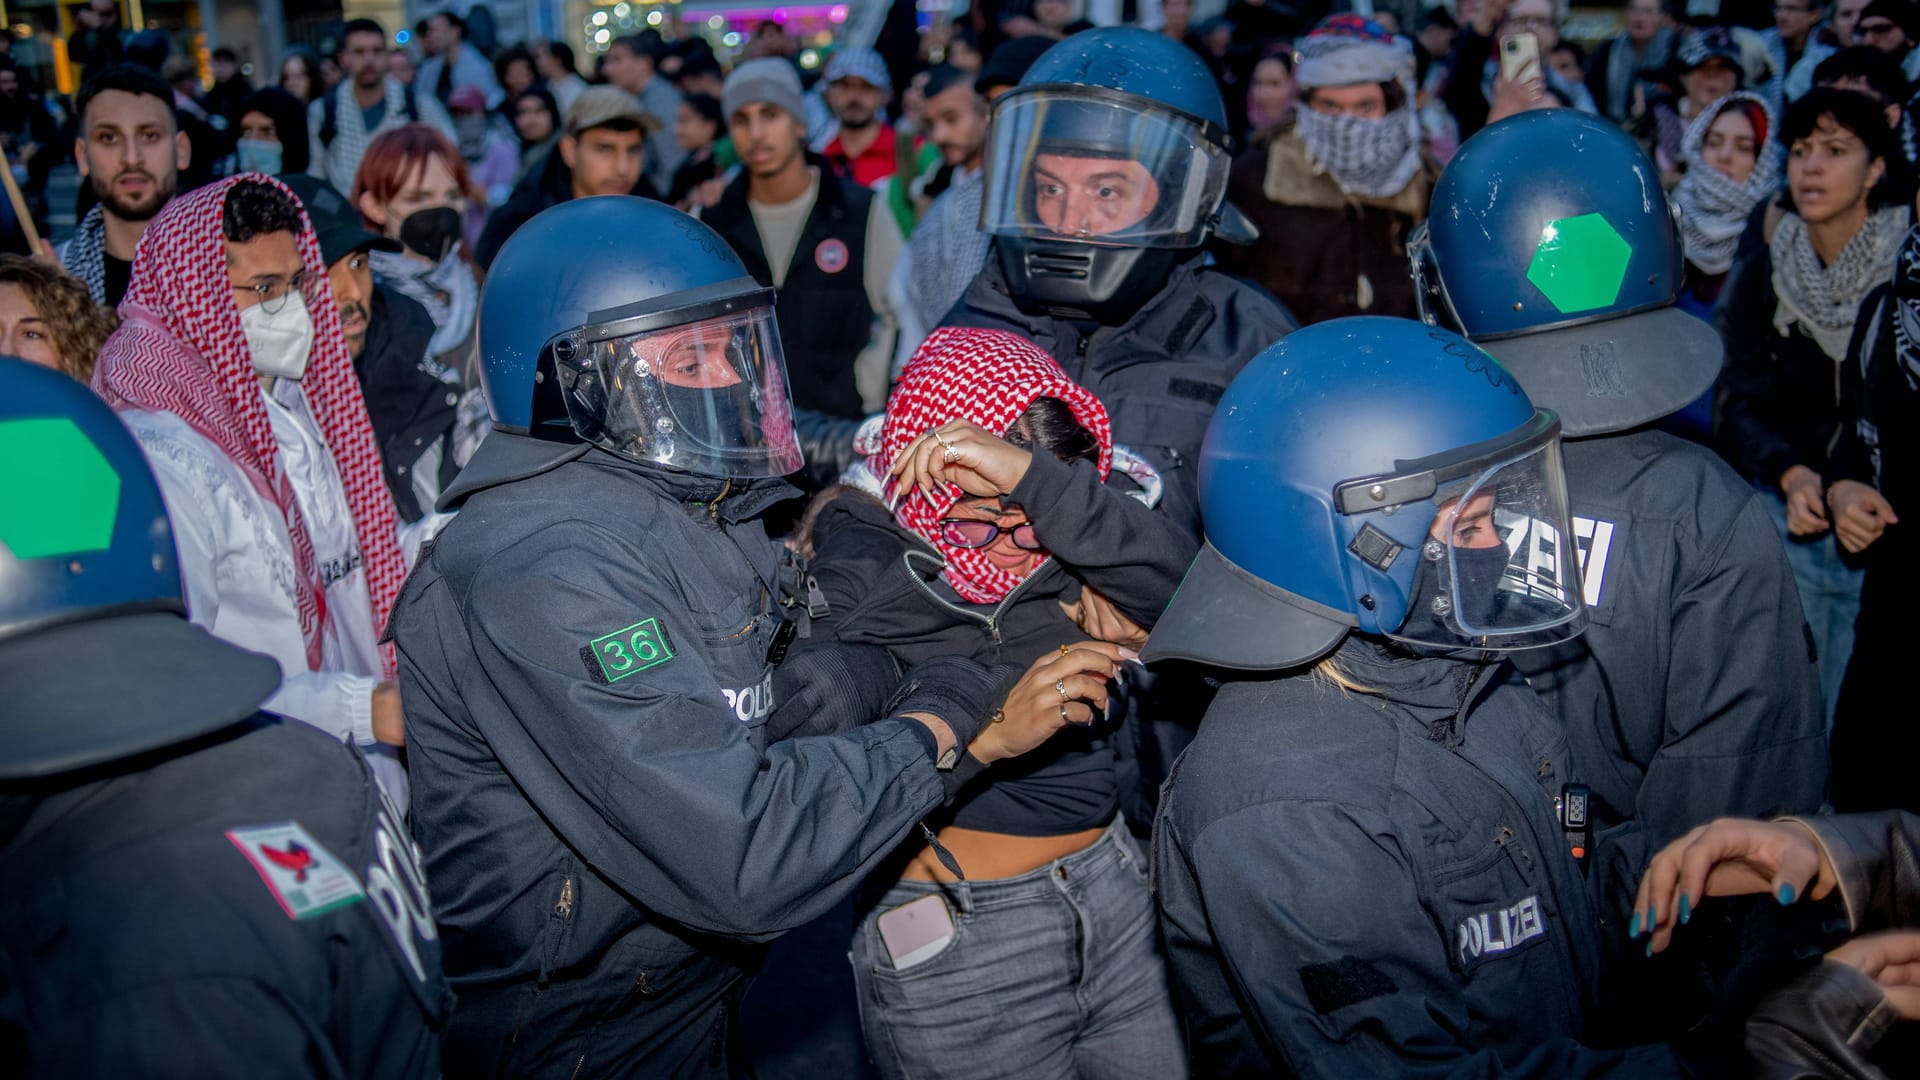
{"x":989,"y":377}
{"x":180,"y":349}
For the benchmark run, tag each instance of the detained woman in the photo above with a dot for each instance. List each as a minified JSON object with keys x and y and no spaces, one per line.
{"x":1787,"y":317}
{"x":1011,"y":538}
{"x":413,"y":186}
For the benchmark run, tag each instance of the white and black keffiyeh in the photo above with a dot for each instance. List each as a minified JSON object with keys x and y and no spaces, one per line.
{"x":447,"y":290}
{"x":1713,"y":208}
{"x":85,"y":253}
{"x":1824,"y":300}
{"x":1906,"y":309}
{"x":1372,"y":157}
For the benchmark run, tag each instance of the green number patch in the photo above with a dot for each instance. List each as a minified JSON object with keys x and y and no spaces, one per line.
{"x":632,"y":650}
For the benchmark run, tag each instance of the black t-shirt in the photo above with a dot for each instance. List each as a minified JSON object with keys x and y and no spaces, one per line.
{"x":119,"y":272}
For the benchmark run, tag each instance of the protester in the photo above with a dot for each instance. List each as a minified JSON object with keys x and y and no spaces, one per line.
{"x":860,"y":143}
{"x":1787,"y":316}
{"x":1024,"y":452}
{"x":230,"y":368}
{"x":1873,"y":479}
{"x":1616,"y":65}
{"x":602,"y":152}
{"x":1272,"y":95}
{"x":493,"y":158}
{"x":630,"y":66}
{"x":513,"y":67}
{"x":536,"y":120}
{"x":366,"y":104}
{"x":1786,"y":41}
{"x":1335,"y":194}
{"x":1893,"y":27}
{"x":825,"y":244}
{"x":97,"y":42}
{"x":270,"y":134}
{"x":27,"y":133}
{"x":948,"y":248}
{"x":1709,"y":69}
{"x":130,"y":151}
{"x":234,"y":891}
{"x":696,"y":129}
{"x":230,"y":88}
{"x":47,"y":317}
{"x":401,"y":64}
{"x":300,"y":75}
{"x":454,"y":64}
{"x":555,"y":62}
{"x":1471,"y":99}
{"x":1836,"y":32}
{"x":1732,"y":164}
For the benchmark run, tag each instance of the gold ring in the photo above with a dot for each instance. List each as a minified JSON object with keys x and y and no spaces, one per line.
{"x":1063,"y":715}
{"x":999,"y":716}
{"x":939,"y":438}
{"x":1063,"y":650}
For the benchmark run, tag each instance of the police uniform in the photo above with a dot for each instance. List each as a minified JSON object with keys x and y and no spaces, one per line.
{"x":187,"y":885}
{"x":586,"y":658}
{"x":1693,"y":693}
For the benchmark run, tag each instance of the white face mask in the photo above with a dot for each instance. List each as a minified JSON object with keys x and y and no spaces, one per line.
{"x":279,"y":342}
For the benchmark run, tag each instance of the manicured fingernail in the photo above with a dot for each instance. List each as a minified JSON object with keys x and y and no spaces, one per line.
{"x":1633,"y":929}
{"x":1686,"y":908}
{"x":1649,"y":948}
{"x":1786,"y":894}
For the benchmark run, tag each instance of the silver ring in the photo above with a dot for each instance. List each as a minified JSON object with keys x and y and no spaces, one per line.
{"x":939,"y":438}
{"x":1062,"y":687}
{"x":1063,"y":715}
{"x":949,"y":455}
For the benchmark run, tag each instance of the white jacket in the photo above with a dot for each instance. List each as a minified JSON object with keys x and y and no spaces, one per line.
{"x":237,"y":564}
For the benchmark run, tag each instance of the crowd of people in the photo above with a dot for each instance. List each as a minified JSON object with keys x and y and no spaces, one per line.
{"x":1302,"y":542}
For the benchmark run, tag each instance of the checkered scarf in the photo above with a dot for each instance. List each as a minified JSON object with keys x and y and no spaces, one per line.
{"x":85,"y":253}
{"x":1372,"y":158}
{"x":180,"y":349}
{"x":1825,"y":298}
{"x":989,"y":377}
{"x":1714,"y":209}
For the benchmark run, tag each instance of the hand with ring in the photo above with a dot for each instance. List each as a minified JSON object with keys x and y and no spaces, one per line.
{"x":960,"y":452}
{"x":1060,"y":688}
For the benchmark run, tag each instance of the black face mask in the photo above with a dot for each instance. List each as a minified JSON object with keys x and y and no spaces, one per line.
{"x":1482,"y":600}
{"x":431,"y":232}
{"x":721,"y":419}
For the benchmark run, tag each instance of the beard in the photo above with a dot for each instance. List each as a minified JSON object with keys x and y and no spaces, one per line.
{"x":356,"y":339}
{"x":143,"y":210}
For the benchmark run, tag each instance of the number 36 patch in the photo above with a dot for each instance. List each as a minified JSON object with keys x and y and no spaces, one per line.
{"x":612,"y":657}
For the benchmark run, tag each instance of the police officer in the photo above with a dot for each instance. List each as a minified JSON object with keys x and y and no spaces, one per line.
{"x":1106,"y":172}
{"x":587,"y":656}
{"x":1359,"y":867}
{"x":1694,"y":693}
{"x":186,"y":883}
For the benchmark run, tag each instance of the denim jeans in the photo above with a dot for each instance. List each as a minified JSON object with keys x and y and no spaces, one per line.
{"x":1829,"y":595}
{"x":1052,"y":975}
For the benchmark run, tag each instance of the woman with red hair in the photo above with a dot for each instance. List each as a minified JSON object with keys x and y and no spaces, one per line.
{"x":413,"y":187}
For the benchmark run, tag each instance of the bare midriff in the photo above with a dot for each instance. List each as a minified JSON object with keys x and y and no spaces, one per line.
{"x":989,"y":856}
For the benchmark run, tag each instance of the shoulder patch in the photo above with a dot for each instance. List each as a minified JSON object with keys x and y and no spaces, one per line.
{"x":1347,"y":981}
{"x":627,"y":651}
{"x":304,"y":878}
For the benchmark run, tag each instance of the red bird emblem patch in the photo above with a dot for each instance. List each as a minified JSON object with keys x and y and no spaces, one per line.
{"x":296,"y":858}
{"x":304,"y":878}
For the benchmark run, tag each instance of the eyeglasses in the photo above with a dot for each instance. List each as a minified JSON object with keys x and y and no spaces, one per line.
{"x":273,"y":294}
{"x":1791,"y":9}
{"x":973,"y":535}
{"x":1875,"y":29}
{"x":1530,"y":22}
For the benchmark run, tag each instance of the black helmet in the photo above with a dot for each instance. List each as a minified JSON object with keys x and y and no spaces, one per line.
{"x":1105,"y":166}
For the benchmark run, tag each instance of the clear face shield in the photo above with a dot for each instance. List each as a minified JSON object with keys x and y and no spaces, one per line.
{"x":1498,"y":568}
{"x":1100,"y":167}
{"x":1429,"y":288}
{"x":700,"y":389}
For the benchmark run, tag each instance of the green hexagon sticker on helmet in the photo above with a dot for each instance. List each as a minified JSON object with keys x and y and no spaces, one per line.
{"x":1580,"y":263}
{"x":58,"y":494}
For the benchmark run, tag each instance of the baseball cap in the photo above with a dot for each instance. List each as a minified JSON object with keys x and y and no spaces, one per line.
{"x":336,"y":224}
{"x":598,"y":106}
{"x":857,"y":63}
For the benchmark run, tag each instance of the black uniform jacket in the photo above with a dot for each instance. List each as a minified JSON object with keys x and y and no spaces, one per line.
{"x":1693,"y":694}
{"x":1161,"y":373}
{"x":1375,"y":884}
{"x":584,"y":660}
{"x":247,"y":904}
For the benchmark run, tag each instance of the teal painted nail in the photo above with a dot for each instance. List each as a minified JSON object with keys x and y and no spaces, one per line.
{"x":1786,"y":894}
{"x":1649,"y":948}
{"x":1686,"y":908}
{"x":1633,"y":929}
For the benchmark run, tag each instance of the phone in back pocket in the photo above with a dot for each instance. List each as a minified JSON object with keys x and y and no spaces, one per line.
{"x":915,"y":932}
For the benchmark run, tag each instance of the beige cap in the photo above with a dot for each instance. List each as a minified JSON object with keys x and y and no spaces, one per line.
{"x":598,"y":106}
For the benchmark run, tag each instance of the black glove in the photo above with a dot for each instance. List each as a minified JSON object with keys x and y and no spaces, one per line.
{"x":826,"y":442}
{"x":955,"y":689}
{"x":826,"y":687}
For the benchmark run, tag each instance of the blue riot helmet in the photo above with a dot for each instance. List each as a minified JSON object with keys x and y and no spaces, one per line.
{"x":622,"y":323}
{"x":1552,"y":246}
{"x":1105,"y":167}
{"x":1378,"y":475}
{"x":89,"y":579}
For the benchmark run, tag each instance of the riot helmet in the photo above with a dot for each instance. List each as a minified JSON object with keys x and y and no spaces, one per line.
{"x":1105,"y":167}
{"x":1383,"y":476}
{"x":622,"y":323}
{"x":1552,"y":246}
{"x":89,"y":576}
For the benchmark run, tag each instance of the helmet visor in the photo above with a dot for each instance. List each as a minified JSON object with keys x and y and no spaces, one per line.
{"x":708,"y":396}
{"x":1429,"y":288}
{"x":1499,"y":568}
{"x":1102,"y":169}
